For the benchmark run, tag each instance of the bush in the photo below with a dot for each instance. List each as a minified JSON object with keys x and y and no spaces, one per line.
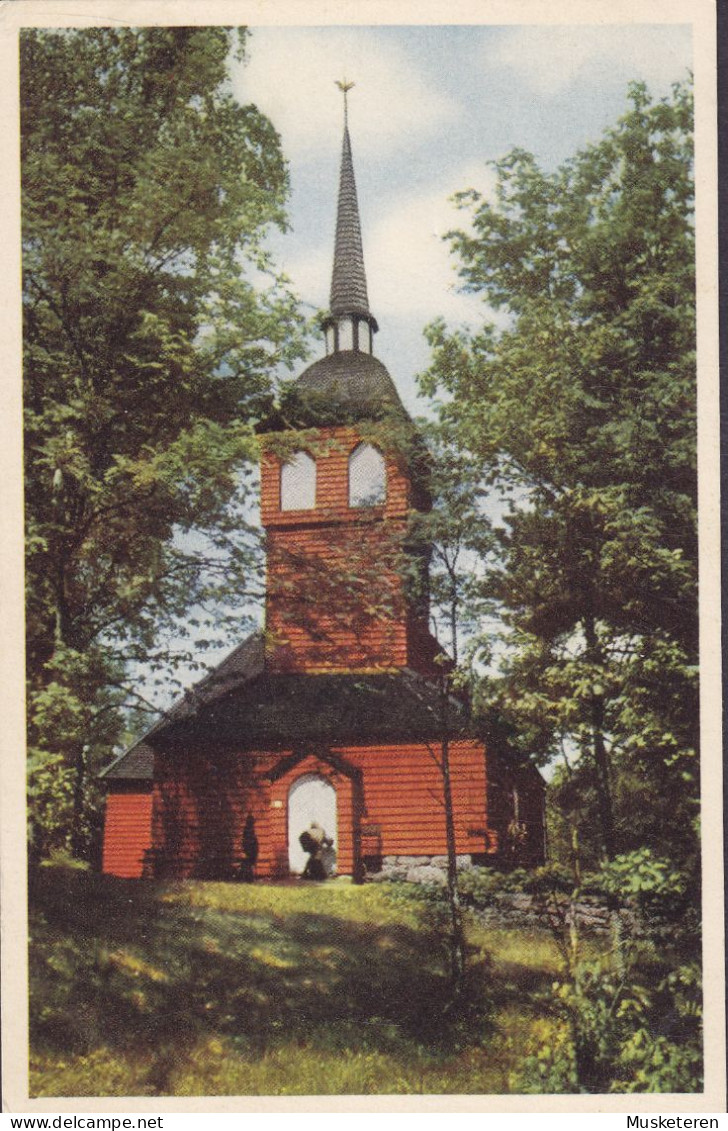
{"x":479,"y":887}
{"x":607,"y":1038}
{"x":622,"y":1037}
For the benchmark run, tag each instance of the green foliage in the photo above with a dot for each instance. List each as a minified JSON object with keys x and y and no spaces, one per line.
{"x":252,"y":989}
{"x":457,"y":537}
{"x":404,"y":894}
{"x":640,"y":874}
{"x":622,"y":1029}
{"x":609,"y":1038}
{"x":666,"y":898}
{"x":578,"y":411}
{"x":479,"y":886}
{"x":657,"y":1062}
{"x":153,"y":324}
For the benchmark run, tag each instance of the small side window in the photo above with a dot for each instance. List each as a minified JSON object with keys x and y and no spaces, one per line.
{"x":298,"y":483}
{"x":367,"y":477}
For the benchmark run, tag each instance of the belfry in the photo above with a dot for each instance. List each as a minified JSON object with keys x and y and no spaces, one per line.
{"x":333,"y":713}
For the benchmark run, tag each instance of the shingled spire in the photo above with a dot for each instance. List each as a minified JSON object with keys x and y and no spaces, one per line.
{"x":349,"y":383}
{"x":350,"y":325}
{"x":348,"y":279}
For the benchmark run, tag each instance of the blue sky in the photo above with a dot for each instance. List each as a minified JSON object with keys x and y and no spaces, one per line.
{"x":431,"y":107}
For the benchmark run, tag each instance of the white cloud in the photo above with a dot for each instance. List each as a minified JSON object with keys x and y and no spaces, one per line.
{"x":410,"y":268}
{"x":291,"y":75}
{"x":311,"y":275}
{"x":549,"y":58}
{"x":410,"y":271}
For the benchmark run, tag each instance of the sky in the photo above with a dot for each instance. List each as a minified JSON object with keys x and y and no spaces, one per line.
{"x":432,"y":106}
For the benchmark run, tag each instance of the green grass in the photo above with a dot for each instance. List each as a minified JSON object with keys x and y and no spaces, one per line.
{"x":227,"y":989}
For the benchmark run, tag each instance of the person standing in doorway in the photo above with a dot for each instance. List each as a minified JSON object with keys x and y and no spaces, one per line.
{"x":314,"y":841}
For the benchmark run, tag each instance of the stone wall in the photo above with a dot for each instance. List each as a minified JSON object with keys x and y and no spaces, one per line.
{"x":518,"y":909}
{"x":506,"y":909}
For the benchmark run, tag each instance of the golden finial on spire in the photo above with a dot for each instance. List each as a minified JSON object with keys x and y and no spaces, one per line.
{"x":344,"y":86}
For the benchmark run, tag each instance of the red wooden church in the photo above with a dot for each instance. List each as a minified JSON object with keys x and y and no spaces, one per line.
{"x":334,"y":712}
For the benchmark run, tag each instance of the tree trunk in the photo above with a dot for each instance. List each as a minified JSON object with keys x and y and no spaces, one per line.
{"x":601,"y":763}
{"x":599,"y":746}
{"x":575,"y":853}
{"x":64,"y":637}
{"x":77,"y":837}
{"x":457,"y":932}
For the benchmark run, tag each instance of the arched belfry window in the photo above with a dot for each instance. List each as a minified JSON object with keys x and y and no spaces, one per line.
{"x":367,"y":477}
{"x":298,"y":483}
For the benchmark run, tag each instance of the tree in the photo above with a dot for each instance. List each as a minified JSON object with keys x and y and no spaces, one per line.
{"x":153,"y":324}
{"x":458,"y":537}
{"x":450,"y":539}
{"x":581,"y":413}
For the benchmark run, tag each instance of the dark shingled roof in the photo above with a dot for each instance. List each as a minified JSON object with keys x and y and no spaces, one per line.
{"x":348,"y":279}
{"x":244,"y":662}
{"x":135,"y":764}
{"x":281,"y":710}
{"x":340,"y":389}
{"x":242,"y":705}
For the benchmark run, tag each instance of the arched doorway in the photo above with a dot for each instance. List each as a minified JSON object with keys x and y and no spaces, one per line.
{"x":311,"y":798}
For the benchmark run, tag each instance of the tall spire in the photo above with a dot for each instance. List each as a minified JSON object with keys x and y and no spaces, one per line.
{"x":350,"y":324}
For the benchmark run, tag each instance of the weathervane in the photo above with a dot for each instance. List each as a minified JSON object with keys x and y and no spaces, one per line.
{"x":344,"y":87}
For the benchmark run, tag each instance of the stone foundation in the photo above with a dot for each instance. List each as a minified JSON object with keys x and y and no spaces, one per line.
{"x":419,"y":869}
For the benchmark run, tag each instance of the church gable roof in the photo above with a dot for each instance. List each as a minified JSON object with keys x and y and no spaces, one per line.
{"x":136,"y":764}
{"x":280,"y":710}
{"x":243,"y":663}
{"x":240,"y":704}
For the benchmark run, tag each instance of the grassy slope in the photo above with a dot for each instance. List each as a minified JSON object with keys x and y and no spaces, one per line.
{"x":224,"y":989}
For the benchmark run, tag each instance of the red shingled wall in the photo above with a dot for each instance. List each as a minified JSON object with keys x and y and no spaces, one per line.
{"x":200,"y":806}
{"x":403,"y":797}
{"x":335,"y":599}
{"x":331,"y":448}
{"x":127,"y":831}
{"x":322,"y":584}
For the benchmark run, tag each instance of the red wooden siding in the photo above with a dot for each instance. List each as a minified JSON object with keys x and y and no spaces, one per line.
{"x":403,"y":798}
{"x":127,"y":832}
{"x":334,"y":600}
{"x":201,"y":806}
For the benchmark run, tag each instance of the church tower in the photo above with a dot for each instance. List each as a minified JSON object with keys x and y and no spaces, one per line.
{"x":341,"y":472}
{"x":334,"y":712}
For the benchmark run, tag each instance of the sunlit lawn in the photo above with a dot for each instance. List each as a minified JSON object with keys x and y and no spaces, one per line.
{"x":230,"y":989}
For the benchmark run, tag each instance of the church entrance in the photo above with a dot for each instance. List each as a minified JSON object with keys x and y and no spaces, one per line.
{"x":311,"y":798}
